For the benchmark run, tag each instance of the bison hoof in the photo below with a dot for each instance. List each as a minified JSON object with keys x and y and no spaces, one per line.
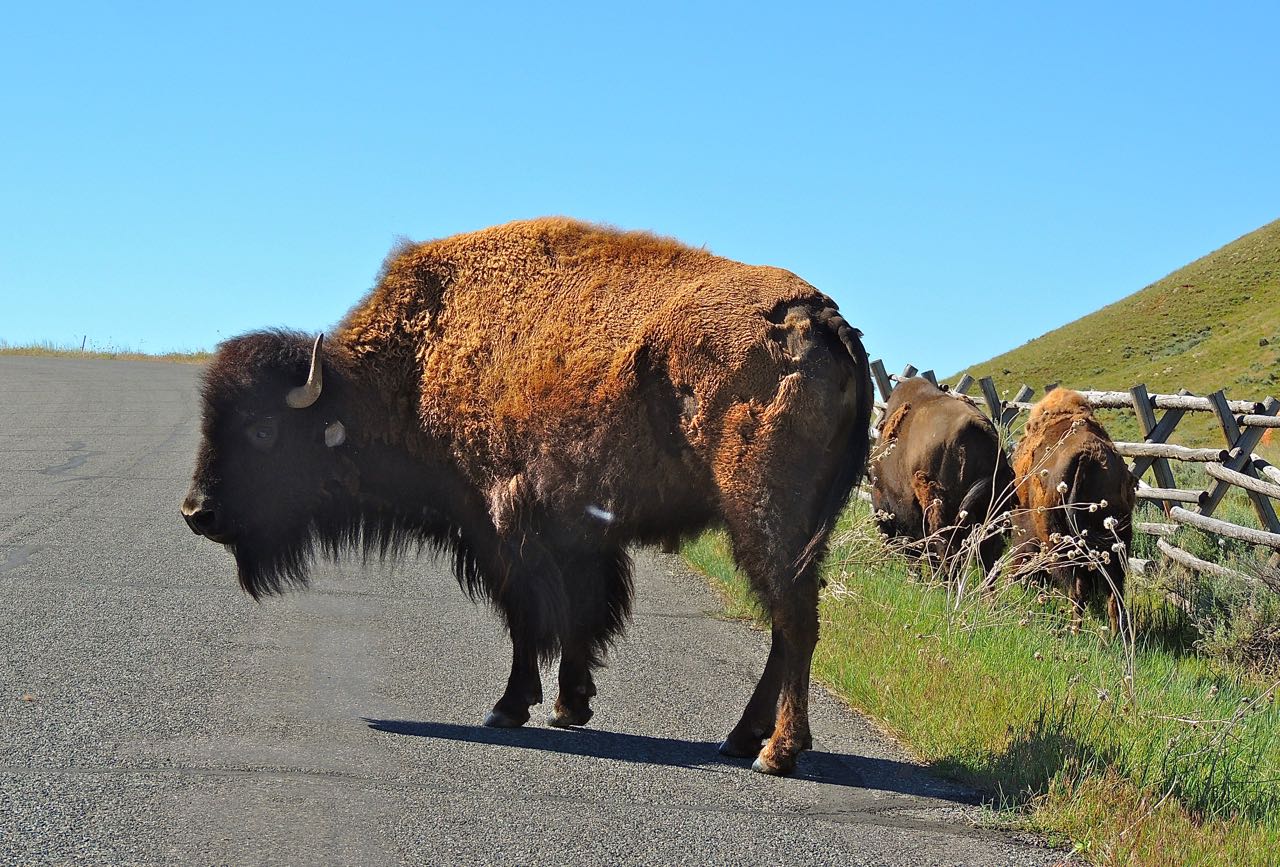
{"x":498,"y":719}
{"x":774,"y":767}
{"x":739,"y":750}
{"x":563,"y":718}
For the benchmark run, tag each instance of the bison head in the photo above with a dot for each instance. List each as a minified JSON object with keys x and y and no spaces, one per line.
{"x":270,"y":464}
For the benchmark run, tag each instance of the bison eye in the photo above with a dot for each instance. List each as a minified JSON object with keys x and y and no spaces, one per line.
{"x":262,"y":433}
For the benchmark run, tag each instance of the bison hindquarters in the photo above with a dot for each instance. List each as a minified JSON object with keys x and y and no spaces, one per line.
{"x":782,"y":488}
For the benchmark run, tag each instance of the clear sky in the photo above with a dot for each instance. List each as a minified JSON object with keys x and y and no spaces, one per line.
{"x":960,"y":177}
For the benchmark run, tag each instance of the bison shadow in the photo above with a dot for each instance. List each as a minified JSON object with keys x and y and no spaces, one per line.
{"x":851,"y":771}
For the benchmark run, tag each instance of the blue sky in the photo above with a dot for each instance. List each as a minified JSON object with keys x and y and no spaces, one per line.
{"x":960,"y":177}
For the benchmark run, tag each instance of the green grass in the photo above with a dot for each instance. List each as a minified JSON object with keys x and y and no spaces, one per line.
{"x":1179,"y":764}
{"x":1199,"y":328}
{"x":52,"y":350}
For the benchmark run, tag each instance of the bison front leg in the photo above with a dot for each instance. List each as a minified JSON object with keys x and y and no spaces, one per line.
{"x":1078,"y":590}
{"x":577,"y":688}
{"x":529,"y":592}
{"x":1117,"y":611}
{"x":524,"y":687}
{"x":599,"y":590}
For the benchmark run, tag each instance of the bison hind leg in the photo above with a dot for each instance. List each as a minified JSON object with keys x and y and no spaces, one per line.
{"x":783,"y":468}
{"x":774,"y":726}
{"x":775,"y":547}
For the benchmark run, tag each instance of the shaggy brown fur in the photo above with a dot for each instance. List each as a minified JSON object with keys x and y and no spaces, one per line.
{"x":535,"y":397}
{"x":938,"y":457}
{"x":1064,"y":463}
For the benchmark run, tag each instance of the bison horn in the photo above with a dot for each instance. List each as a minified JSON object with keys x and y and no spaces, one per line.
{"x":305,"y":395}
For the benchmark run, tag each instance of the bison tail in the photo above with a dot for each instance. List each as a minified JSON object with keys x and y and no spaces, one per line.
{"x":854,"y":451}
{"x":989,"y":496}
{"x":1075,"y":476}
{"x":976,"y":504}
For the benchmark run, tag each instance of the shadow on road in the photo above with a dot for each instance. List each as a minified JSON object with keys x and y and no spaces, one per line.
{"x":835,"y":769}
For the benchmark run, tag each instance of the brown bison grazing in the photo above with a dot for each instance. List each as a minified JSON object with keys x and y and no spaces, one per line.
{"x":1075,"y":502}
{"x":938,"y":472}
{"x":531,"y":399}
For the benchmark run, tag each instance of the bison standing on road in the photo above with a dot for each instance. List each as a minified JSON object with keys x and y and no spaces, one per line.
{"x":938,"y":472}
{"x":532,"y":399}
{"x":1072,"y":485}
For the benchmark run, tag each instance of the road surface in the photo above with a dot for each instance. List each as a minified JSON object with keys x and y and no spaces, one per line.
{"x":151,"y":713}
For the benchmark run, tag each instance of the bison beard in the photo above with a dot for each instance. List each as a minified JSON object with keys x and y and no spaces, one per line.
{"x":530,"y":400}
{"x":266,"y":566}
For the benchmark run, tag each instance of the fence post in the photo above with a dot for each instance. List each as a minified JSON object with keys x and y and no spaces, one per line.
{"x":995,"y":408}
{"x":882,"y":379}
{"x":1241,"y":446}
{"x":1154,"y":432}
{"x":1009,"y":413}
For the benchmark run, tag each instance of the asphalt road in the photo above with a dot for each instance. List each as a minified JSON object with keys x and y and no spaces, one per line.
{"x":151,"y":713}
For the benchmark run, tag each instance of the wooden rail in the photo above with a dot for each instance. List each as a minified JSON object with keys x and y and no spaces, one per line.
{"x":1225,"y":528}
{"x":1243,"y":480}
{"x":1126,"y":400}
{"x":1242,"y":424}
{"x":1177,"y":495}
{"x":1168,"y":451}
{"x":1180,"y":556}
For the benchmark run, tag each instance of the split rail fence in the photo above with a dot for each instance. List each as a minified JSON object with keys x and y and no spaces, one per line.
{"x":1242,"y":424}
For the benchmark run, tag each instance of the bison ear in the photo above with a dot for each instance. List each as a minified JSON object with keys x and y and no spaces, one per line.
{"x":309,"y":392}
{"x":335,"y":434}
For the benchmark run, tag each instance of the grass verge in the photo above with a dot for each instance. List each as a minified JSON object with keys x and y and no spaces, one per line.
{"x":1178,"y":764}
{"x":52,"y":350}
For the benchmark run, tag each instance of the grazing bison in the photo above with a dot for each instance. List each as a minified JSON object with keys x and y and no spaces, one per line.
{"x":1071,"y":484}
{"x":938,"y":472}
{"x":531,"y":399}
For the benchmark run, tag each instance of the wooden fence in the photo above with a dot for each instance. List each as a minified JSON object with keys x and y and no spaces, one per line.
{"x":1242,"y":424}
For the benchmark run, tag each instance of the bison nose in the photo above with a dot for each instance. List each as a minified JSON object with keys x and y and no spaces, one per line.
{"x":199,"y":516}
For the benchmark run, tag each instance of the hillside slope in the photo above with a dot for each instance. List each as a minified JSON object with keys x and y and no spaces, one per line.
{"x":1201,"y":328}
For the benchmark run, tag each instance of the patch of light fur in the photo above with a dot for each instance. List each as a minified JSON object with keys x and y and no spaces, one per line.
{"x":600,"y":514}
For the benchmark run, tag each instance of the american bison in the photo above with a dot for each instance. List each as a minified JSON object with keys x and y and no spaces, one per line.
{"x":531,"y":399}
{"x":1075,"y":502}
{"x":938,"y":472}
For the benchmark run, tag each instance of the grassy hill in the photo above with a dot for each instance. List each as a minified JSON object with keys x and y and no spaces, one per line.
{"x":1201,"y":328}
